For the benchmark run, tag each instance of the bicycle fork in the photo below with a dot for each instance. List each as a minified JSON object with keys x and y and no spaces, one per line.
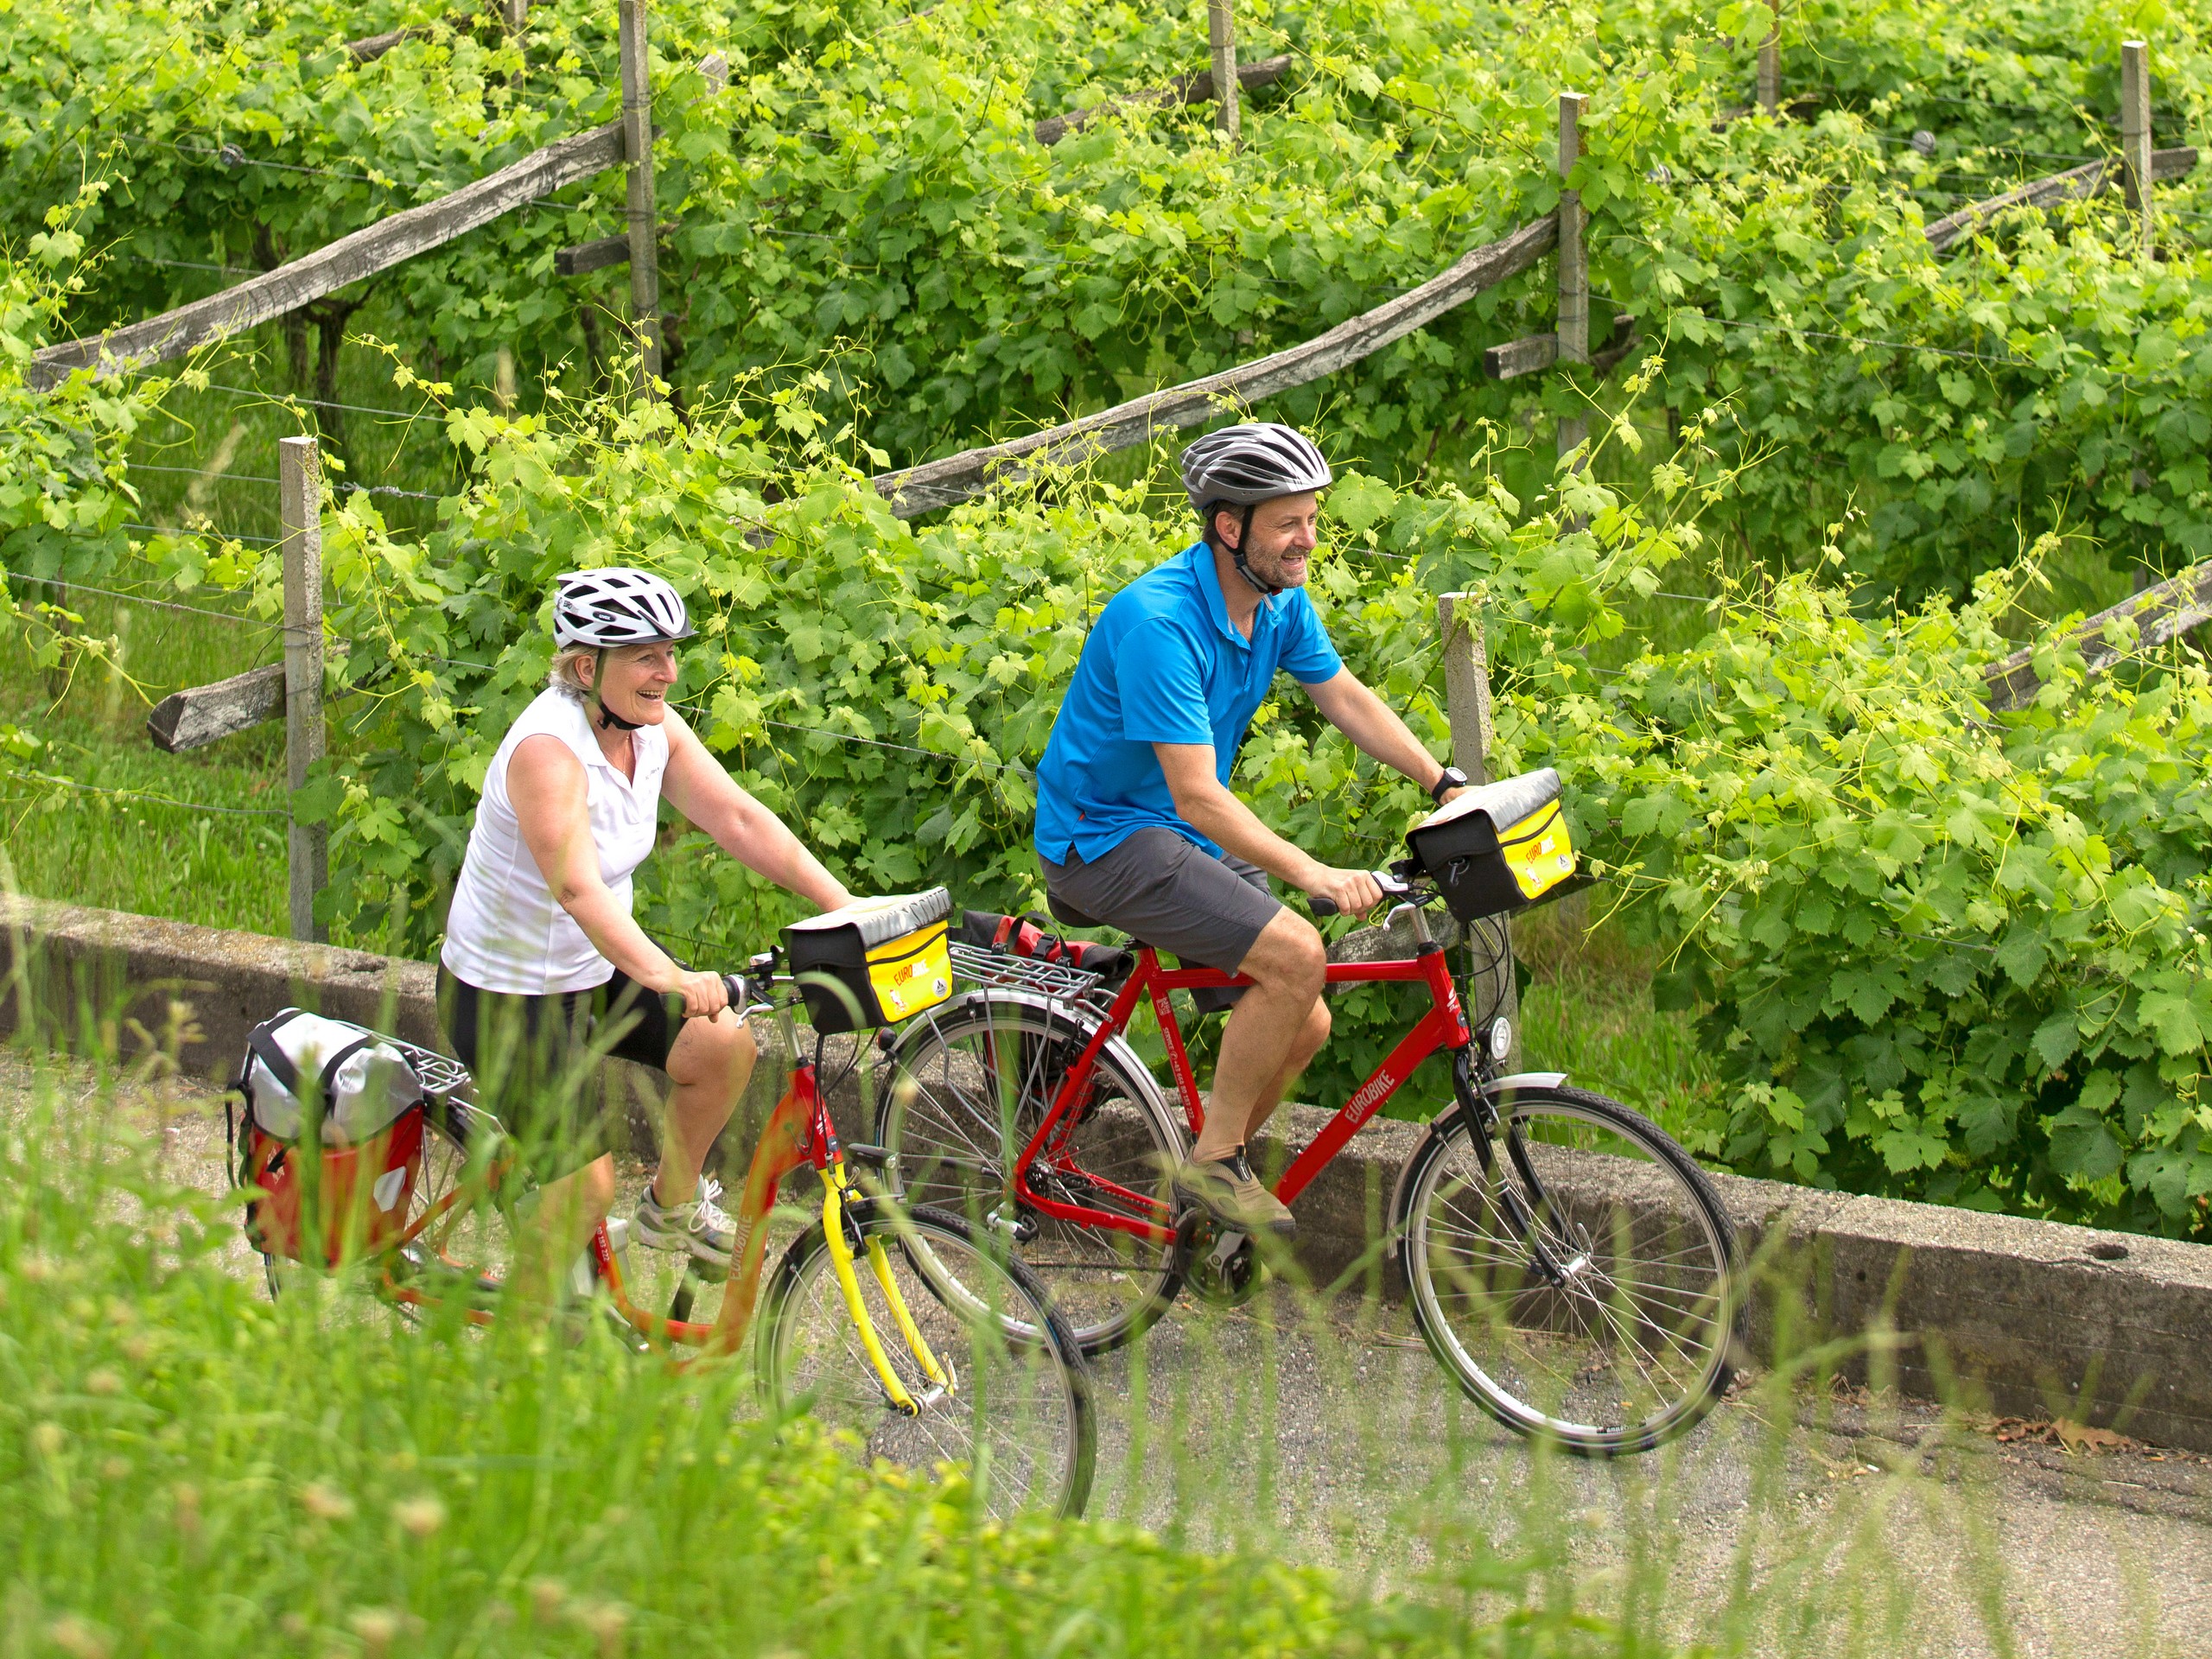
{"x":836,"y":1189}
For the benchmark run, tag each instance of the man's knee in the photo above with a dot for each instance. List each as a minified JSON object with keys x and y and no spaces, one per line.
{"x":1288,"y":956}
{"x":1317,"y":1029}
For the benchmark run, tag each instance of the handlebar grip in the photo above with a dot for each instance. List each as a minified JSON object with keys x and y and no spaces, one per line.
{"x":738,"y":991}
{"x":1321,"y":906}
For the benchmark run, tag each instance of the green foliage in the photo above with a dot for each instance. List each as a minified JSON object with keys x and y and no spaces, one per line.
{"x":63,"y":494}
{"x":1938,"y":955}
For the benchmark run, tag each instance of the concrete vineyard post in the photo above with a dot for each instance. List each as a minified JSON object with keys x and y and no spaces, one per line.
{"x":643,"y":221}
{"x":2135,"y":133}
{"x":1466,"y":705}
{"x":300,"y":487}
{"x":518,"y":15}
{"x":1771,"y":63}
{"x":1573,"y":263}
{"x":1221,"y":36}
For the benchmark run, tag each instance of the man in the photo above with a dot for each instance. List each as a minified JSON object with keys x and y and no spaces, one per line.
{"x":1135,"y":825}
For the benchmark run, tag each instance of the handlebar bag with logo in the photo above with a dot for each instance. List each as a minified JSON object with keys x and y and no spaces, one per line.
{"x":874,"y":962}
{"x":1497,"y":847}
{"x":334,"y":1137}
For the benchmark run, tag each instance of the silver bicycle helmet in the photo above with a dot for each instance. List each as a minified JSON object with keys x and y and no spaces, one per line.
{"x":1243,"y":466}
{"x":616,"y":607}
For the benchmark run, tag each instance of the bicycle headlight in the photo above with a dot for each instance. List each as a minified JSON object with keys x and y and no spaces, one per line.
{"x":1501,"y":1038}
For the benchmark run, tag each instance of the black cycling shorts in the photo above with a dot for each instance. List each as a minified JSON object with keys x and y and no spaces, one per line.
{"x":533,"y":1059}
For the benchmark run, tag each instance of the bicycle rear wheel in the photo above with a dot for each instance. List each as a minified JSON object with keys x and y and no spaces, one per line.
{"x":966,"y":1089}
{"x":1572,"y":1268}
{"x":1018,"y":1412}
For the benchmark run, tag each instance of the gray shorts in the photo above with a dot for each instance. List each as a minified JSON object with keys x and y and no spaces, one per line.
{"x":1176,"y":897}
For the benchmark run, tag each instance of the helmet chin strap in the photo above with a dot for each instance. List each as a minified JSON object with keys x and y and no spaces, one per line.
{"x":1265,"y":589}
{"x":608,"y":720}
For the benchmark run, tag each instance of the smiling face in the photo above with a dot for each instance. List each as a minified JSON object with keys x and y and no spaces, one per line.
{"x":1284,"y":534}
{"x":635,"y":681}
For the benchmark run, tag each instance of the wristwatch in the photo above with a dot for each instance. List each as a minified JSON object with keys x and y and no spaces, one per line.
{"x":1451,"y":779}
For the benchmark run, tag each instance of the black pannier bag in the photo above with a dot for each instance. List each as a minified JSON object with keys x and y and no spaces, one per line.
{"x":1498,"y":847}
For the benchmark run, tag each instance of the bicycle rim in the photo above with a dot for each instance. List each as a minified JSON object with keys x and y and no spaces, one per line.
{"x":1609,"y":1323}
{"x":966,"y":1093}
{"x":1017,"y":1418}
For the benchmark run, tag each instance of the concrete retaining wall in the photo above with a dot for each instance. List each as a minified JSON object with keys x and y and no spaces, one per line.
{"x":2106,"y":1328}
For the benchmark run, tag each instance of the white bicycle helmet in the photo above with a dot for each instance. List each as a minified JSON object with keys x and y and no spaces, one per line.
{"x":616,"y":607}
{"x":1243,"y":466}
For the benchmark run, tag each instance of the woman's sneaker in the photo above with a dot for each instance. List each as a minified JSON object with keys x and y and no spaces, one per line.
{"x":1227,"y":1190}
{"x":701,"y":1226}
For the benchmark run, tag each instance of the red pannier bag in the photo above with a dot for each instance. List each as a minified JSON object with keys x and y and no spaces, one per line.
{"x":1021,"y":936}
{"x":334,"y":1138}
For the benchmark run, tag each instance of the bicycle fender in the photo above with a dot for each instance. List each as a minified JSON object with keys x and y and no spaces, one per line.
{"x":1437,"y":1125}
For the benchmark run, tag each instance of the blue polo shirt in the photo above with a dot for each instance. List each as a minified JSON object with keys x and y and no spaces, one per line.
{"x":1164,"y":665}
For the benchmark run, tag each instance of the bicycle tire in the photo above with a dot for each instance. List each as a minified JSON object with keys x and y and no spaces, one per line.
{"x":990,"y":1319}
{"x":962,"y":1083}
{"x":473,"y":1247}
{"x":1634,"y":1336}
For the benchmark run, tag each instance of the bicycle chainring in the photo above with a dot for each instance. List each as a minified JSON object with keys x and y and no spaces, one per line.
{"x":1220,"y":1268}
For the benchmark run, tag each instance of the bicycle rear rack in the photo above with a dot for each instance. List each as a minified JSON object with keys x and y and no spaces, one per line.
{"x":987,"y":968}
{"x":442,"y":1075}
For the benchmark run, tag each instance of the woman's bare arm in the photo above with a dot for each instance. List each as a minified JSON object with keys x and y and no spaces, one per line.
{"x":545,"y":782}
{"x":696,"y":786}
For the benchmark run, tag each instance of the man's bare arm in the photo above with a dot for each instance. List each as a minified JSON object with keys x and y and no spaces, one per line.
{"x":1208,"y":808}
{"x":1374,"y":726}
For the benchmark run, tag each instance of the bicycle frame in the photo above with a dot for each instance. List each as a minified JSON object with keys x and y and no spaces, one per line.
{"x":798,"y":1134}
{"x":1443,"y":1026}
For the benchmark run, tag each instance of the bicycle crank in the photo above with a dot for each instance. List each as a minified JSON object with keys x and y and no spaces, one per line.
{"x":1222,"y":1267}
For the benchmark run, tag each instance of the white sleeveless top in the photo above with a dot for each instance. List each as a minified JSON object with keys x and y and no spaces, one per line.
{"x":505,"y":931}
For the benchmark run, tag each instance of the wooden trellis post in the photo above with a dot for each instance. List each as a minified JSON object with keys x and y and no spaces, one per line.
{"x":643,"y":221}
{"x":2135,"y":133}
{"x":1467,"y":704}
{"x":1770,"y":62}
{"x":1221,"y":36}
{"x":1574,"y":330}
{"x":300,"y":480}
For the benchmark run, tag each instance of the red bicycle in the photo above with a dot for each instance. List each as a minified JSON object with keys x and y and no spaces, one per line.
{"x":1565,"y":1260}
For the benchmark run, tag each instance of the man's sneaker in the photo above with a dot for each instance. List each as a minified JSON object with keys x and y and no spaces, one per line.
{"x":1226,"y":1189}
{"x":701,"y":1226}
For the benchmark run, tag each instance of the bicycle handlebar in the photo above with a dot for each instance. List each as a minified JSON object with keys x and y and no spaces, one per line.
{"x":1393,"y":886}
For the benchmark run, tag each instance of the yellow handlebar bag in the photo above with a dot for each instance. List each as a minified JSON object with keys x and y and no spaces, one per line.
{"x":874,"y":963}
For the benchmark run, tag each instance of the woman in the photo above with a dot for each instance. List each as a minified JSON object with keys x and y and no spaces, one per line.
{"x":541,"y":952}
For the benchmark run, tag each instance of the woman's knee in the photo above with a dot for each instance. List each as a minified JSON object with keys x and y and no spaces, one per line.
{"x":720,"y":1049}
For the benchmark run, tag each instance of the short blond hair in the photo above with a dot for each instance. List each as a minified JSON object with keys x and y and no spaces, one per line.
{"x":568,"y":673}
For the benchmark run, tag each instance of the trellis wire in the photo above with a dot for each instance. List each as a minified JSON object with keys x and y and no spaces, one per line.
{"x":140,"y":795}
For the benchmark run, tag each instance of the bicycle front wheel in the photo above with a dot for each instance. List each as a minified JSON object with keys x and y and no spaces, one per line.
{"x":1013,"y":1409}
{"x":1572,"y":1269}
{"x":967,"y":1087}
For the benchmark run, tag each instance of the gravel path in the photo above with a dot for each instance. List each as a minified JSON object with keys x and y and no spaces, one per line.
{"x":1814,"y":1522}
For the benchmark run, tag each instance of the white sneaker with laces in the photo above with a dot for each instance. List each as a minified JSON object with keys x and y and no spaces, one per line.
{"x":701,"y":1226}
